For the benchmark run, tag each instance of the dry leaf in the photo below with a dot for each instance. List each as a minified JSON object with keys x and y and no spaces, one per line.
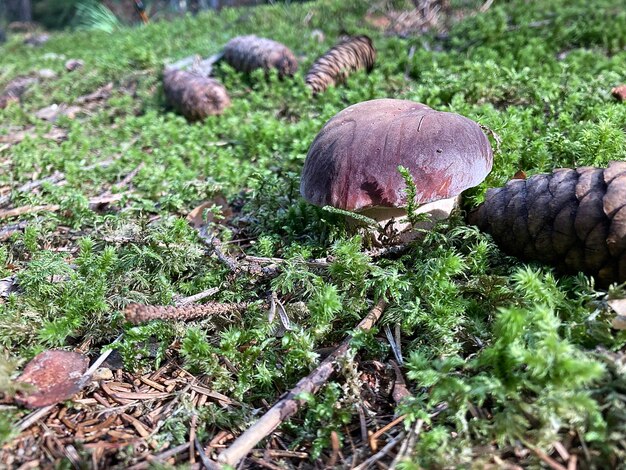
{"x":55,"y":375}
{"x":195,"y":217}
{"x":37,"y":39}
{"x":51,"y":113}
{"x":619,"y":307}
{"x":519,"y":175}
{"x":15,"y":89}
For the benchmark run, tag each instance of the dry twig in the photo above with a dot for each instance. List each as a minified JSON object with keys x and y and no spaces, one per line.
{"x":291,"y":403}
{"x":380,"y":454}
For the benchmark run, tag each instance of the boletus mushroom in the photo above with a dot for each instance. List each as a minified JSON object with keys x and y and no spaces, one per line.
{"x":353,"y":162}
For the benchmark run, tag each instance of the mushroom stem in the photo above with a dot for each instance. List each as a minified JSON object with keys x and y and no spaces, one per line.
{"x":394,"y":220}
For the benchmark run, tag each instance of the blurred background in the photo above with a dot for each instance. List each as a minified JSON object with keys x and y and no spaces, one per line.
{"x":93,"y":14}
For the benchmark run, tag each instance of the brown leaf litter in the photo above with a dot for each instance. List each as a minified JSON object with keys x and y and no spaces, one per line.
{"x":110,"y":416}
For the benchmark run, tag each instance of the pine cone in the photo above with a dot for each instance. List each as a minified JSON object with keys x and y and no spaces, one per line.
{"x":247,"y":53}
{"x":334,"y":66}
{"x":194,"y":96}
{"x":572,"y":219}
{"x":15,"y":89}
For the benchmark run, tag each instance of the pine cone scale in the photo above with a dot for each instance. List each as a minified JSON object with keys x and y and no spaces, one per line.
{"x":616,"y":239}
{"x":615,"y":197}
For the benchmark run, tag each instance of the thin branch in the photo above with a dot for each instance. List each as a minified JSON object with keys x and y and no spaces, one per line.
{"x":160,"y":457}
{"x":486,"y":6}
{"x":380,"y":454}
{"x":292,"y":402}
{"x":400,"y":390}
{"x":314,"y":263}
{"x":24,"y":210}
{"x":206,"y":461}
{"x":94,"y":202}
{"x":192,"y":299}
{"x":385,"y":428}
{"x":125,"y":181}
{"x":55,"y":178}
{"x":28,"y":187}
{"x":8,"y":230}
{"x":547,"y":459}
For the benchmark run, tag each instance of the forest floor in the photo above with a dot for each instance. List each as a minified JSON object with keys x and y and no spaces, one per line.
{"x":108,"y":198}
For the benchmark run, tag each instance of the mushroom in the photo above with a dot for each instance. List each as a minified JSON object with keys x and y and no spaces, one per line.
{"x":353,"y":162}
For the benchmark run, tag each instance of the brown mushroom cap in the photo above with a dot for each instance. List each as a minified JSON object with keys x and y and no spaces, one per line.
{"x":353,"y":162}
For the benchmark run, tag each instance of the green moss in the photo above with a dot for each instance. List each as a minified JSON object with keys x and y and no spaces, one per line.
{"x":479,"y":329}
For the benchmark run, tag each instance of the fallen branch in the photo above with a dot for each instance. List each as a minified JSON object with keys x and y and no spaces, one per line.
{"x":125,"y":182}
{"x":24,"y":210}
{"x":314,"y":263}
{"x":192,"y":299}
{"x":547,"y":459}
{"x":292,"y":402}
{"x":55,"y":178}
{"x":136,"y":313}
{"x":8,"y":230}
{"x":28,"y":187}
{"x":380,"y":454}
{"x":197,"y":65}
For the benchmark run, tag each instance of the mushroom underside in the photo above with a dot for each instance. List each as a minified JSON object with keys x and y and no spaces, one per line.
{"x":396,"y":227}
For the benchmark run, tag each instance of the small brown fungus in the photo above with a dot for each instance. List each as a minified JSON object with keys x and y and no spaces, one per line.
{"x":248,"y":53}
{"x":573,"y":219}
{"x":194,"y":96}
{"x":353,"y":162}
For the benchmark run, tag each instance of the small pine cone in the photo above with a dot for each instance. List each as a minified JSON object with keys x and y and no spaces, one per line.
{"x":334,"y":66}
{"x":247,"y":53}
{"x":194,"y":96}
{"x":137,"y":313}
{"x":572,"y":219}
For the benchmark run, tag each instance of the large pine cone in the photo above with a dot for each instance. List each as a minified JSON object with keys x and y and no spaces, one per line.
{"x":334,"y":66}
{"x":573,"y":219}
{"x":247,"y":53}
{"x":194,"y":96}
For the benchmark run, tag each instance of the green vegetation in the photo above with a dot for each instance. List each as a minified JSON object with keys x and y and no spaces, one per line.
{"x":518,"y":355}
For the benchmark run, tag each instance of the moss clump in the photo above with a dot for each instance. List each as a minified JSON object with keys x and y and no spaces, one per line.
{"x":520,"y":357}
